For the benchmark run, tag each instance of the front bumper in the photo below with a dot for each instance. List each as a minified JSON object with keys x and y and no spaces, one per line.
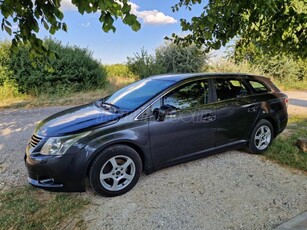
{"x":59,"y":174}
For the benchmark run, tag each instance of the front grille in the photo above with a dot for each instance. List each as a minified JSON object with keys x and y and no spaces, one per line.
{"x":35,"y":140}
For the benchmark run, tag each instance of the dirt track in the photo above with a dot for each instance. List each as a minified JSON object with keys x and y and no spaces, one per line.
{"x":297,"y":102}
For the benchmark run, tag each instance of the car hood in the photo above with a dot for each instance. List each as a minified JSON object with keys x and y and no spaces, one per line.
{"x":74,"y":120}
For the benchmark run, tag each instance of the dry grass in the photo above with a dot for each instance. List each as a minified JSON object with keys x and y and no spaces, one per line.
{"x":79,"y":98}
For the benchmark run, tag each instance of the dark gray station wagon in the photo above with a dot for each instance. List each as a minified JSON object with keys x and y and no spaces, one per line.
{"x":153,"y":123}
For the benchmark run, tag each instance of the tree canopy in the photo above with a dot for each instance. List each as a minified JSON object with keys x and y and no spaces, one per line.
{"x":30,"y":15}
{"x":276,"y":25}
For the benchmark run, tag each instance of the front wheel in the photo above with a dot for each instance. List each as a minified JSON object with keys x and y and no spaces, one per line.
{"x":261,"y":138}
{"x":115,"y":171}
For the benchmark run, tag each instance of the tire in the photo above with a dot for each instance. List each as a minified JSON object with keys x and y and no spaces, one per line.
{"x":115,"y":171}
{"x":261,"y":137}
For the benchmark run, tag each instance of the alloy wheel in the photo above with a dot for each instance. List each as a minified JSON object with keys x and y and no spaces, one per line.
{"x":262,"y":137}
{"x":117,"y":173}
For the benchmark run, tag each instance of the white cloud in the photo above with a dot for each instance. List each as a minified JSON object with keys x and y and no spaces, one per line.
{"x":67,"y":5}
{"x":151,"y":16}
{"x":86,"y":24}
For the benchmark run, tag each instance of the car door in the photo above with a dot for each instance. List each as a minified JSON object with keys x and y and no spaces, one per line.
{"x":189,"y":129}
{"x":236,"y":111}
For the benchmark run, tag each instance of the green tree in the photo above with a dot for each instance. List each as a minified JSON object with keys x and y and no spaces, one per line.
{"x":176,"y":59}
{"x":143,"y":64}
{"x":277,"y":26}
{"x":29,"y":15}
{"x":168,"y":58}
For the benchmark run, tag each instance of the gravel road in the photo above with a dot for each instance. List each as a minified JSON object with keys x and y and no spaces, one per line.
{"x":232,"y":190}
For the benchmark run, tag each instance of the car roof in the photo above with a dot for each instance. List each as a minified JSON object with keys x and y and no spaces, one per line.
{"x":180,"y":77}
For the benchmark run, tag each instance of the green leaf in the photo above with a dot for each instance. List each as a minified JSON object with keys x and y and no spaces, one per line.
{"x":136,"y":26}
{"x":130,"y":19}
{"x":8,"y":23}
{"x":210,"y":19}
{"x":126,"y":9}
{"x":64,"y":27}
{"x":52,"y":29}
{"x":46,"y":25}
{"x":8,"y":30}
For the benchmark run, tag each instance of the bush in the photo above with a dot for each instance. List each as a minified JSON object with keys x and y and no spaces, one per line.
{"x":143,"y":64}
{"x":176,"y":59}
{"x":72,"y":70}
{"x":169,"y":58}
{"x":283,"y":68}
{"x":8,"y":86}
{"x":118,"y":70}
{"x":229,"y":66}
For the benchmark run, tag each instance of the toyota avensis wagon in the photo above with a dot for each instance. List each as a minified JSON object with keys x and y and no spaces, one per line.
{"x":153,"y":123}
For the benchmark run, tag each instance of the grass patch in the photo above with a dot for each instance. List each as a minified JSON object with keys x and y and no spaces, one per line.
{"x":26,"y":101}
{"x":283,"y":149}
{"x":30,"y":208}
{"x":292,"y":85}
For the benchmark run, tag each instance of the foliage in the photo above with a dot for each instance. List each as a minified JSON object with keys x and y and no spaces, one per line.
{"x":118,"y":70}
{"x":143,"y":64}
{"x":29,"y":208}
{"x":8,"y":86}
{"x":283,"y":76}
{"x":282,"y":67}
{"x":168,"y":58}
{"x":175,"y":59}
{"x":229,"y":66}
{"x":277,"y":26}
{"x":73,"y":70}
{"x":29,"y":15}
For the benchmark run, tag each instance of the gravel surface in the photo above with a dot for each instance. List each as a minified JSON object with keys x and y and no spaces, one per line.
{"x":16,"y":128}
{"x":232,"y":190}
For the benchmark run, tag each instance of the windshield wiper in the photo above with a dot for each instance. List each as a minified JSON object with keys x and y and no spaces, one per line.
{"x":108,"y":106}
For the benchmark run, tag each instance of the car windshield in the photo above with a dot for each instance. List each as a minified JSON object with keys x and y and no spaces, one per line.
{"x":132,"y":96}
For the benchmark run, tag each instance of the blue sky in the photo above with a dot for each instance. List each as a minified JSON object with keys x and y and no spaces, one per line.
{"x":156,"y":17}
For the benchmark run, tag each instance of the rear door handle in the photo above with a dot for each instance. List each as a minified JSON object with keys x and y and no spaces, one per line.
{"x":208,"y":117}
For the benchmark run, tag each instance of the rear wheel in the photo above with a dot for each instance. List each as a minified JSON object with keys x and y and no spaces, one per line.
{"x":261,"y":138}
{"x":115,"y":171}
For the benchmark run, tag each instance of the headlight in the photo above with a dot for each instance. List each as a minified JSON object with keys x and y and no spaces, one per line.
{"x":59,"y":145}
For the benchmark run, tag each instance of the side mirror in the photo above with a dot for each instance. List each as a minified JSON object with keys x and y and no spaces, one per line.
{"x":164,"y":111}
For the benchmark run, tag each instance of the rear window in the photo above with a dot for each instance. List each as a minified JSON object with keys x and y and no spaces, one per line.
{"x":258,"y":87}
{"x":228,"y":88}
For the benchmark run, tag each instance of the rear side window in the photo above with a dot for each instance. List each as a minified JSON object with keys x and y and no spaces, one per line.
{"x":258,"y":87}
{"x":230,"y":88}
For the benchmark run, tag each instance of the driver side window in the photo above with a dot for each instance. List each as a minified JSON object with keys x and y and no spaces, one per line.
{"x":190,"y":95}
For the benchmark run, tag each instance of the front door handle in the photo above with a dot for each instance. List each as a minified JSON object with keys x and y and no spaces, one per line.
{"x":208,"y":117}
{"x":252,"y":109}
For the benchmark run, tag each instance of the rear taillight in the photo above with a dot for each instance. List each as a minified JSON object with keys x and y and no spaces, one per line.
{"x":287,"y":101}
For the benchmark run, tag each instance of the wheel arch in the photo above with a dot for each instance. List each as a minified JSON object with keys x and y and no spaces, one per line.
{"x":269,"y":119}
{"x":273,"y":123}
{"x":127,"y":143}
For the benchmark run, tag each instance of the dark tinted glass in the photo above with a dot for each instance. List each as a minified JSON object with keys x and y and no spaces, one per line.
{"x":136,"y":94}
{"x":190,"y":95}
{"x":229,"y":88}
